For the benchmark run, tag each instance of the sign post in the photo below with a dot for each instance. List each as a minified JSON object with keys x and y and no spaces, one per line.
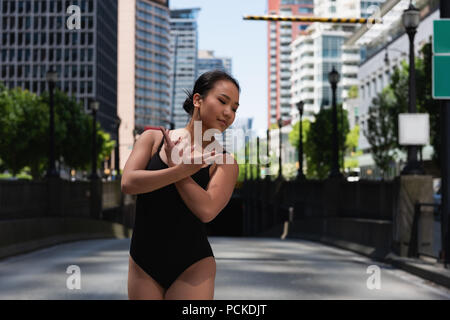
{"x":440,"y":48}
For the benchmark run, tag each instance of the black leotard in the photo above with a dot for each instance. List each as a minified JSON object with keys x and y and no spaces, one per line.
{"x":167,"y":237}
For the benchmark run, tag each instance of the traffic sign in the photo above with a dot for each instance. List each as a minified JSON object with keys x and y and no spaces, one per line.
{"x":441,"y":59}
{"x":441,"y":40}
{"x":441,"y":77}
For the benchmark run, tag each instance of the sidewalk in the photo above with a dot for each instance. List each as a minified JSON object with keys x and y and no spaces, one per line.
{"x":432,"y":271}
{"x":435,"y":272}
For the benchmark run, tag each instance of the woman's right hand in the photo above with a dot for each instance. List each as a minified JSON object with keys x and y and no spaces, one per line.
{"x":189,"y":159}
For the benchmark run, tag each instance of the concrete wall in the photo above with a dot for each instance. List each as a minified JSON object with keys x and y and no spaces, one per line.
{"x":24,"y":235}
{"x":35,"y":214}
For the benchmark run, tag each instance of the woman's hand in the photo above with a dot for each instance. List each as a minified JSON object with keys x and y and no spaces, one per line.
{"x":192,"y":161}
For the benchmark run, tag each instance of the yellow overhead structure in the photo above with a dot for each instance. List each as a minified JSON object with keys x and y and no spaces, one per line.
{"x":312,"y":19}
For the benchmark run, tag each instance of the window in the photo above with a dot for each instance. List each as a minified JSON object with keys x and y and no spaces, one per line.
{"x":305,"y":10}
{"x":331,"y":46}
{"x":302,"y":27}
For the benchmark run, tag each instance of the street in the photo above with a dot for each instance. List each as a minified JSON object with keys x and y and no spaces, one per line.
{"x":247,"y":268}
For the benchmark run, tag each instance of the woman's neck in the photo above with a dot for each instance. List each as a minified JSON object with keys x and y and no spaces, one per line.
{"x":190,"y":129}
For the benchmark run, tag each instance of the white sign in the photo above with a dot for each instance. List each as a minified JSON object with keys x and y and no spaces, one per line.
{"x":414,"y":129}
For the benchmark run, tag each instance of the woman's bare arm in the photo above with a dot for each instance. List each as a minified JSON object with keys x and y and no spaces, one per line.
{"x":137,"y":180}
{"x":207,"y":204}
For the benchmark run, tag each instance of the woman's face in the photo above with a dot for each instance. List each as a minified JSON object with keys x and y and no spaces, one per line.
{"x":218,"y":108}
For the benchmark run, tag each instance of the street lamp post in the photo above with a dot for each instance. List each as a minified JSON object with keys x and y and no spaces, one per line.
{"x":258,"y":170}
{"x":411,"y":19}
{"x":280,"y":168}
{"x":52,"y":77}
{"x":300,"y":175}
{"x":333,"y":78}
{"x":267,"y":177}
{"x":94,"y":106}
{"x":117,"y":153}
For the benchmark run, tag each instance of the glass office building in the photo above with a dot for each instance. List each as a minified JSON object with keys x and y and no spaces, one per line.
{"x":35,"y":37}
{"x":152,"y":64}
{"x":184,"y":47}
{"x":144,"y":69}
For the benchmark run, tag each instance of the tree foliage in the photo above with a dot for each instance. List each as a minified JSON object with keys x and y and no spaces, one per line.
{"x":379,"y":129}
{"x":318,"y":146}
{"x":24,"y":128}
{"x":396,"y":102}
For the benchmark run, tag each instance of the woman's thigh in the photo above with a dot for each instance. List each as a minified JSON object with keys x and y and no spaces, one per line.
{"x":195,"y":283}
{"x":141,"y":286}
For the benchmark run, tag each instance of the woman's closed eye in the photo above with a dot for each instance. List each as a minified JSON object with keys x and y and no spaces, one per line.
{"x":223,"y":102}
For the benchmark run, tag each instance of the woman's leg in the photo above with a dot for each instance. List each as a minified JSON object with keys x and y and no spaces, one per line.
{"x":195,"y":283}
{"x":141,"y":286}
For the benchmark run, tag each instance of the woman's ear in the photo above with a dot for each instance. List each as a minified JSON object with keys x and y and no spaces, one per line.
{"x":196,"y":100}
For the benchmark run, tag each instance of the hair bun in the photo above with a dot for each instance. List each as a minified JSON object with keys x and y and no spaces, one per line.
{"x":188,"y":104}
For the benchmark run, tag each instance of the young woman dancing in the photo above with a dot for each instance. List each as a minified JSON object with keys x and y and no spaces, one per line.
{"x":170,"y":256}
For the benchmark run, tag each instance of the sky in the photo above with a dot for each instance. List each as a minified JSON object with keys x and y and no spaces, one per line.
{"x":221,"y":28}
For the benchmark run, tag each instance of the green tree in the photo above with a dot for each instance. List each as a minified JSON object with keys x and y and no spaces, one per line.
{"x":318,"y":146}
{"x":294,"y":135}
{"x":352,"y":141}
{"x":22,"y":130}
{"x":379,"y":129}
{"x":353,"y":92}
{"x":425,"y":101}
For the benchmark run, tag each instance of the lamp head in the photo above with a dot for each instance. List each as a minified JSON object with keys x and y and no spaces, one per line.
{"x":411,"y":17}
{"x":94,"y":105}
{"x":300,"y":105}
{"x":333,"y":76}
{"x":52,"y":76}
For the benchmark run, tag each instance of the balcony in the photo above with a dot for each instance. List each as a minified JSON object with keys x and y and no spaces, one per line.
{"x":349,"y":69}
{"x":306,"y":72}
{"x":350,"y":82}
{"x":350,"y":57}
{"x":308,"y":59}
{"x":307,"y":96}
{"x":307,"y":83}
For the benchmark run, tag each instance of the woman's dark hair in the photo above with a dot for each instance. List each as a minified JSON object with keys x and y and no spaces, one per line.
{"x":203,"y":85}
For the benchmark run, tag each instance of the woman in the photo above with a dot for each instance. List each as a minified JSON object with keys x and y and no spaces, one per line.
{"x":170,"y":256}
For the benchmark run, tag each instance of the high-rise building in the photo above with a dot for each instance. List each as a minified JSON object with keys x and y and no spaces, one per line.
{"x":280,"y":36}
{"x":385,"y":48}
{"x":78,"y":42}
{"x":35,"y":36}
{"x":320,"y":48}
{"x":184,"y":49}
{"x":207,"y":62}
{"x":144,"y":69}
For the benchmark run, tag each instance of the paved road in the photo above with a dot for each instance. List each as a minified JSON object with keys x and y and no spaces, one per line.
{"x":247,"y":268}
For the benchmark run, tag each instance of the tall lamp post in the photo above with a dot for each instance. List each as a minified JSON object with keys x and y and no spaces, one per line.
{"x":280,"y":168}
{"x":117,"y":153}
{"x":411,"y":20}
{"x":94,"y":106}
{"x":300,"y":174}
{"x":267,"y":177}
{"x":52,"y":77}
{"x":333,"y":78}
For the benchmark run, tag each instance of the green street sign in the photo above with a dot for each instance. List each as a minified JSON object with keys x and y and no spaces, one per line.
{"x":441,"y":59}
{"x":441,"y":77}
{"x":441,"y":39}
